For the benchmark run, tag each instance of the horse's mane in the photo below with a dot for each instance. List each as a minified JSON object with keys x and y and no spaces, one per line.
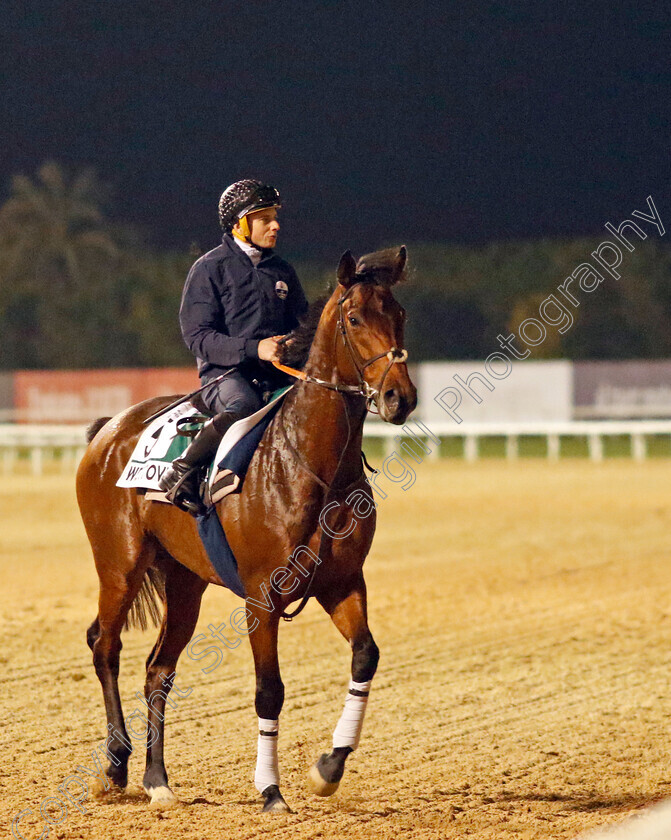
{"x":297,"y":348}
{"x":377,"y":268}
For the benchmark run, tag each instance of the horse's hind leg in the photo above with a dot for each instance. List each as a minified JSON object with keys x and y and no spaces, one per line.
{"x":183,"y":593}
{"x":347,"y":609}
{"x":92,"y":633}
{"x":121,"y":572}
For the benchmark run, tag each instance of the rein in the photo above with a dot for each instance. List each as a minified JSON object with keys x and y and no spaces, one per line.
{"x":327,"y":491}
{"x":305,"y":377}
{"x":363,"y":388}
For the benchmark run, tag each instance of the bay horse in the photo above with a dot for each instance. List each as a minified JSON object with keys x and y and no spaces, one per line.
{"x":146,"y":552}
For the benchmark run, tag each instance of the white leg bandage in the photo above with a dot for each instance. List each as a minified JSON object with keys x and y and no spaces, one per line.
{"x":267,"y":766}
{"x":348,"y":730}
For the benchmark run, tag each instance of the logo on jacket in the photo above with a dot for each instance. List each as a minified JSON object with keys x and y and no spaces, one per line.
{"x":281,"y":289}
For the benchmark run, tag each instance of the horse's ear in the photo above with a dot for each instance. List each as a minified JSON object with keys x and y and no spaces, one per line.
{"x":346,"y":269}
{"x":399,"y":264}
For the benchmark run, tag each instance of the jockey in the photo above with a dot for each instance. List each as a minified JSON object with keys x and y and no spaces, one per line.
{"x":239,"y":300}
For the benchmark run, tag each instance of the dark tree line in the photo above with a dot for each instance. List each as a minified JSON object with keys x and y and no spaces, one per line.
{"x":461,"y":298}
{"x":77,"y":290}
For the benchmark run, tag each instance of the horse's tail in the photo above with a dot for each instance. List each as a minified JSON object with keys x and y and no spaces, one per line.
{"x":95,"y":427}
{"x":148,"y":601}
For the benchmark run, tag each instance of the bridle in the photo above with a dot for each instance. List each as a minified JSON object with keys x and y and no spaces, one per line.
{"x":394,"y":355}
{"x":363,"y":389}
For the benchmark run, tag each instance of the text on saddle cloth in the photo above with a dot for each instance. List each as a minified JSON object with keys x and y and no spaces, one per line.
{"x":160,"y":443}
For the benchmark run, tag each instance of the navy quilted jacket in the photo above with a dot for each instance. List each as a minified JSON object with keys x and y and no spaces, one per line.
{"x":228,"y":306}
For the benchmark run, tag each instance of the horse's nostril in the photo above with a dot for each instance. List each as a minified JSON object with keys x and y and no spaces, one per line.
{"x":391,"y":398}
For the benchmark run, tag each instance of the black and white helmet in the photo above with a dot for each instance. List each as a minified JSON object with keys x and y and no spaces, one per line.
{"x":245,"y":197}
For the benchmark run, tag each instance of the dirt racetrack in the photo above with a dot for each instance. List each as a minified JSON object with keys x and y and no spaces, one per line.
{"x":523,"y":613}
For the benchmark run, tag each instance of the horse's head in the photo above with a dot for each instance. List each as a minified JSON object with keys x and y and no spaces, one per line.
{"x":369,"y":331}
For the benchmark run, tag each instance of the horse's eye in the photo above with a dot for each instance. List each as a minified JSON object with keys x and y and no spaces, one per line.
{"x":353,"y":321}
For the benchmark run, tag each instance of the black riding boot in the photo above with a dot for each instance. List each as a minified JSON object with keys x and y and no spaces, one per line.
{"x":181,"y":482}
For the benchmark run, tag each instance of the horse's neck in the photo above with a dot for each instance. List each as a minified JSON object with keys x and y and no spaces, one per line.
{"x":326,"y":427}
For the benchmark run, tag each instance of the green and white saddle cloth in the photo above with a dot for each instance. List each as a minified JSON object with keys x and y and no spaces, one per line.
{"x":166,"y":438}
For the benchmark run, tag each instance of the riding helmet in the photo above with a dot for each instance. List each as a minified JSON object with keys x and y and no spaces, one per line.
{"x":245,"y":197}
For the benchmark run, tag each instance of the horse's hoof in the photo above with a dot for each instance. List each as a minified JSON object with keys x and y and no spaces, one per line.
{"x":274,"y":801}
{"x":318,"y":785}
{"x":162,"y":797}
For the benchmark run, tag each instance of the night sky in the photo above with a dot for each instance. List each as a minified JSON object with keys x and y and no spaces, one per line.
{"x":380,"y":123}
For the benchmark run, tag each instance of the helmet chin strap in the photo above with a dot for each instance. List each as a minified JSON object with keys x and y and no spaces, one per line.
{"x":245,"y":235}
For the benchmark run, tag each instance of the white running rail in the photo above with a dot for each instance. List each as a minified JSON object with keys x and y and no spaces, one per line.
{"x":65,"y":444}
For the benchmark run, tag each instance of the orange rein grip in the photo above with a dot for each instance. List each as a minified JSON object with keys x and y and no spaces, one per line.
{"x":298,"y":374}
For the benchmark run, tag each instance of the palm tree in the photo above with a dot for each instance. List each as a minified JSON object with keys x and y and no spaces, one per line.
{"x":57,"y":263}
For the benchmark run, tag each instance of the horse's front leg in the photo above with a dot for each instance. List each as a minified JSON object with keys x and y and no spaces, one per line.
{"x":347,"y":609}
{"x":269,"y":699}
